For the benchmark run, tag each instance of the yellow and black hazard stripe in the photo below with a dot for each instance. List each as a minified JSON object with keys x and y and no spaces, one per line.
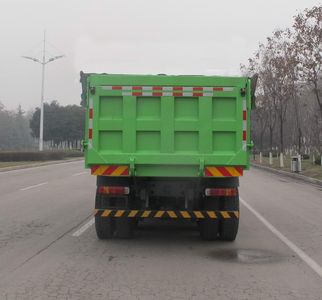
{"x":167,"y":214}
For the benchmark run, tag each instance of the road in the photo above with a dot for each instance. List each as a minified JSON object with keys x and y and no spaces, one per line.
{"x":47,"y":253}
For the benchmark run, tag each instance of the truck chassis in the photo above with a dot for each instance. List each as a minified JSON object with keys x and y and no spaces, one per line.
{"x":121,"y":203}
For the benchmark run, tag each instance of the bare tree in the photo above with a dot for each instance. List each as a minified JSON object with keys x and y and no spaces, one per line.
{"x":289,"y":65}
{"x":282,"y":62}
{"x":275,"y":63}
{"x":308,"y":34}
{"x":260,"y":121}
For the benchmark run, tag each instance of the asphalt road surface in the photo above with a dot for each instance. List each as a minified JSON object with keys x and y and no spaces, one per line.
{"x":49,"y":249}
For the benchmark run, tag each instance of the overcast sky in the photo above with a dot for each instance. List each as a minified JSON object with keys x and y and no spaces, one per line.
{"x":128,"y":36}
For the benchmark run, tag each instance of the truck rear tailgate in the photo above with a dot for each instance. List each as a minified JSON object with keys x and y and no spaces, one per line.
{"x":167,"y":125}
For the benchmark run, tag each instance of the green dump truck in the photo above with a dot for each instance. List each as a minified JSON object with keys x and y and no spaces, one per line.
{"x":167,"y":147}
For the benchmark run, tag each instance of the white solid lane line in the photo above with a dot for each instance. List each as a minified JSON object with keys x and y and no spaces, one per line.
{"x":81,"y":230}
{"x":78,"y":174}
{"x":307,"y":259}
{"x":33,"y":186}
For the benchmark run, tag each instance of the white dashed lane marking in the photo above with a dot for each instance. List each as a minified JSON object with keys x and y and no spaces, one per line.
{"x":78,"y":174}
{"x":82,"y":229}
{"x":33,"y":186}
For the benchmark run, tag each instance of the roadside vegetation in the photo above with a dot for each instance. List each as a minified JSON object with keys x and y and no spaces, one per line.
{"x":288,"y":117}
{"x":310,"y":168}
{"x":63,"y":127}
{"x":63,"y":132}
{"x":10,"y":156}
{"x":25,"y":158}
{"x":20,"y":164}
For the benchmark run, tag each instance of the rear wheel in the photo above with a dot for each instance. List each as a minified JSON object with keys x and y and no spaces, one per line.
{"x":209,"y":227}
{"x":104,"y":226}
{"x":229,"y":227}
{"x":117,"y":226}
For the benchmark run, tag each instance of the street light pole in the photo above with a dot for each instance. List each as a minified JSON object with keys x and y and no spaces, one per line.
{"x":44,"y":62}
{"x":41,"y":126}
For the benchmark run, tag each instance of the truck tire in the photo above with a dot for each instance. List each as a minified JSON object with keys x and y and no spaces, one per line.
{"x":104,"y":226}
{"x":228,"y":228}
{"x":209,"y":228}
{"x":124,"y":228}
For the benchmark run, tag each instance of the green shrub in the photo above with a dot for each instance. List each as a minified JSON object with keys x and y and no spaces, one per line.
{"x":318,"y":161}
{"x":74,"y":153}
{"x":37,"y":156}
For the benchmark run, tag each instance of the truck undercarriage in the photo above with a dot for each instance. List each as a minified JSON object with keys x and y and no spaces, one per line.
{"x":121,"y":203}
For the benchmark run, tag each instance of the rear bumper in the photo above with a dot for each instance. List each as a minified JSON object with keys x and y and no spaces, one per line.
{"x":167,"y":214}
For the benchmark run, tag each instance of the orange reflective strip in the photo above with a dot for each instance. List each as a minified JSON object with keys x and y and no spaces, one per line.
{"x":100,"y":170}
{"x":233,"y":171}
{"x":224,"y":171}
{"x":110,"y":170}
{"x":119,"y":170}
{"x":93,"y":169}
{"x":214,"y":171}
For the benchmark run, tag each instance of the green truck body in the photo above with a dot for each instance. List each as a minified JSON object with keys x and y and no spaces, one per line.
{"x":167,"y":125}
{"x":167,"y":147}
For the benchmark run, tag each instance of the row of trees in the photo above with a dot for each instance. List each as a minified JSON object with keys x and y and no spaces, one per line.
{"x":63,"y":127}
{"x":14,"y":129}
{"x":289,"y":100}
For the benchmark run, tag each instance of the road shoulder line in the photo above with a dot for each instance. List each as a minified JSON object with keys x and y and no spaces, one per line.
{"x":304,"y":257}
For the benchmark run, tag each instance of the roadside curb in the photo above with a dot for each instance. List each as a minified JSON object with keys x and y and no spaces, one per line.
{"x":54,"y":162}
{"x":291,"y":175}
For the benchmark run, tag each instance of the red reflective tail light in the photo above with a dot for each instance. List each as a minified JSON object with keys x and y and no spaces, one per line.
{"x":228,"y":192}
{"x":114,"y":190}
